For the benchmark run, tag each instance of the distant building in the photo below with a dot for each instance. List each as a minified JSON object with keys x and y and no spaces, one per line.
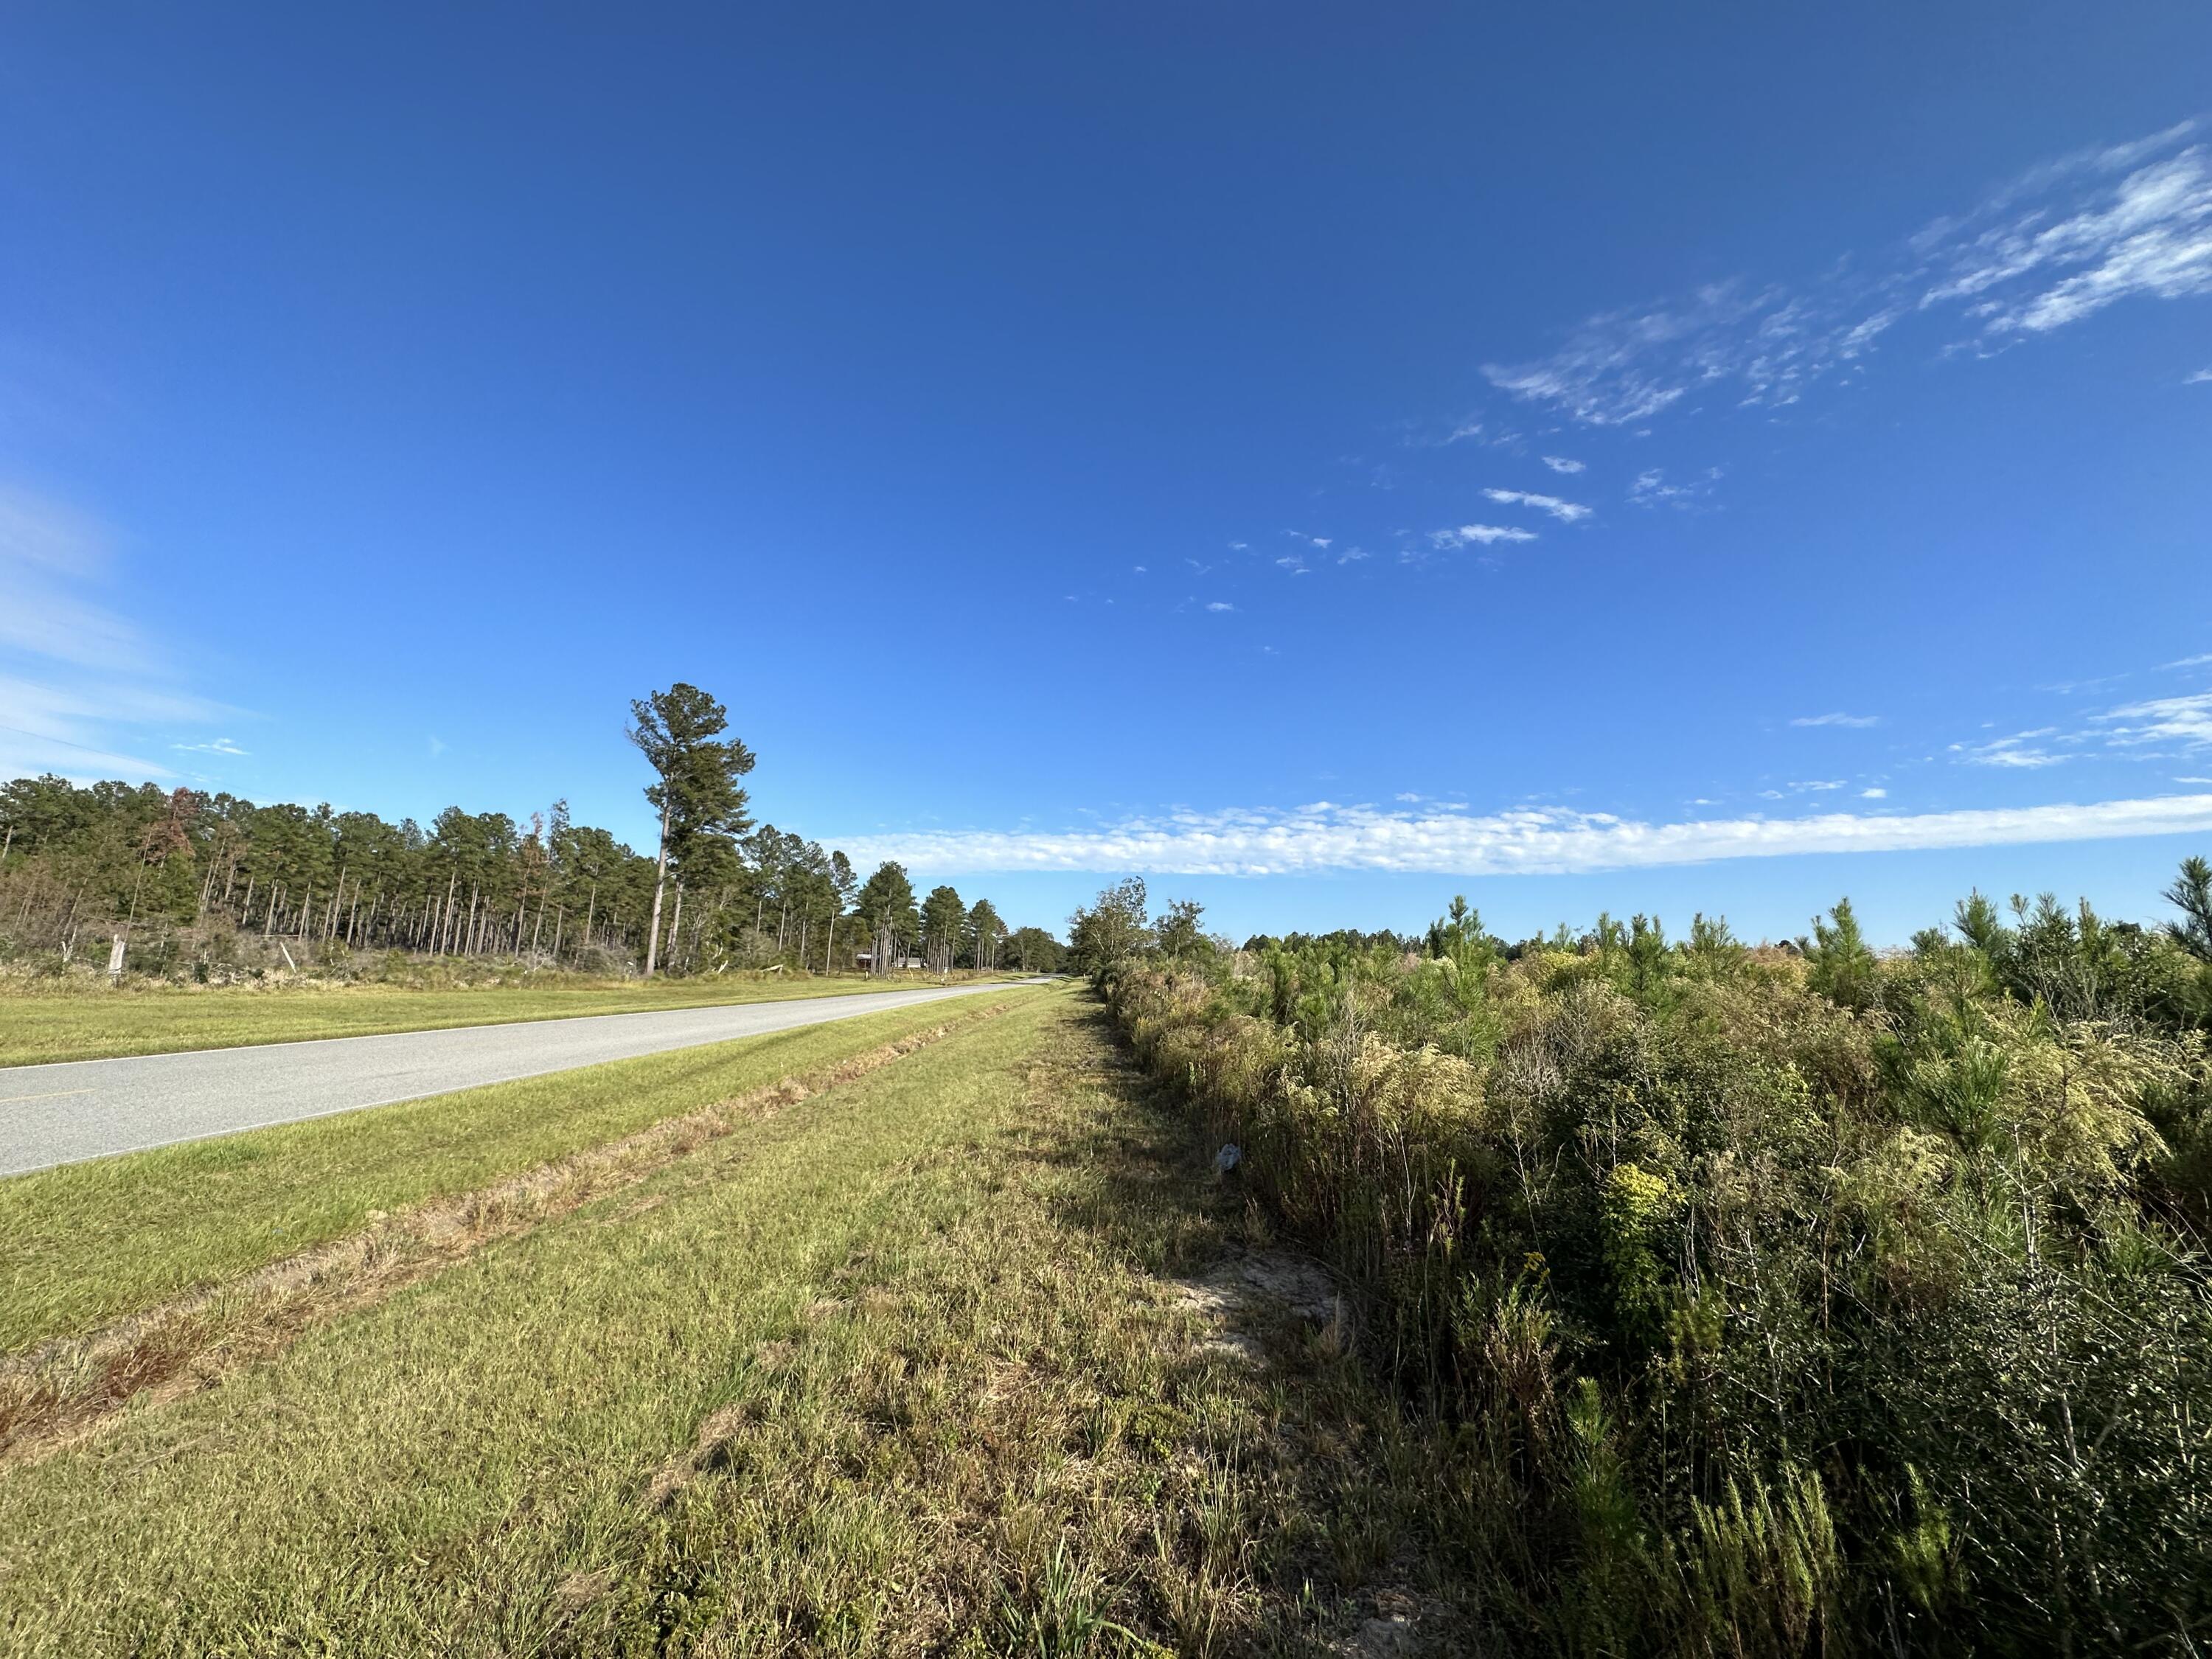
{"x":866,"y":962}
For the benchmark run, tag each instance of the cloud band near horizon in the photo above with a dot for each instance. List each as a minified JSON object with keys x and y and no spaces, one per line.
{"x":1326,"y":838}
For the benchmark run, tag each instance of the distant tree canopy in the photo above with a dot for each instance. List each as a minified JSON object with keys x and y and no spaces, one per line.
{"x":1114,"y":928}
{"x":204,"y":880}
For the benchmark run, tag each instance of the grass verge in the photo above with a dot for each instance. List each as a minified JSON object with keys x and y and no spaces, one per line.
{"x":926,"y":1364}
{"x":41,"y":1027}
{"x":88,"y":1243}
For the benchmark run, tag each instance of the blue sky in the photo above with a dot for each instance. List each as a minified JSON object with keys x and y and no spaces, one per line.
{"x":1324,"y":458}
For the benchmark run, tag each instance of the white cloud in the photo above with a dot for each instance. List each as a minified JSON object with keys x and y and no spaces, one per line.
{"x":1484,"y":533}
{"x":1820,"y":783}
{"x":2185,"y":721}
{"x":1873,"y":794}
{"x":1855,"y":720}
{"x":2016,"y":752}
{"x":2197,"y":661}
{"x":2060,"y":243}
{"x":2151,"y":234}
{"x":1527,"y":841}
{"x":1651,"y":489}
{"x":1217,"y":605}
{"x":218,"y":746}
{"x":1561,"y":464}
{"x":1564,"y":512}
{"x":2202,"y":377}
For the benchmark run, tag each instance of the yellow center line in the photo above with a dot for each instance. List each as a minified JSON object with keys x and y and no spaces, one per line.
{"x":17,"y":1100}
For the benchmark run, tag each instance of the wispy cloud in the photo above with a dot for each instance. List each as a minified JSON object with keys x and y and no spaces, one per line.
{"x":2059,"y":244}
{"x":82,"y":689}
{"x":216,"y":746}
{"x":2202,"y":377}
{"x":1561,"y":464}
{"x":1854,"y":721}
{"x":1484,"y":534}
{"x":1564,"y":512}
{"x":2185,"y":720}
{"x":2021,"y":751}
{"x":50,"y":555}
{"x":1652,"y":488}
{"x":1873,"y":794}
{"x":1219,"y":604}
{"x":1325,"y":837}
{"x":2151,"y":234}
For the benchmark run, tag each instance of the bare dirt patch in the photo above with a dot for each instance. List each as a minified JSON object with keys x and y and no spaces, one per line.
{"x":1257,"y":1289}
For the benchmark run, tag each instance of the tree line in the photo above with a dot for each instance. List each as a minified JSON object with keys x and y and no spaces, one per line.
{"x":203,"y":882}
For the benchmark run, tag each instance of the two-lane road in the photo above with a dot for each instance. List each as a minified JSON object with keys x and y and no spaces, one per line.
{"x":76,"y":1109}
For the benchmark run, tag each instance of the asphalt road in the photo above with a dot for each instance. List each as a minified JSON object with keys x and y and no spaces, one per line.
{"x":77,"y":1109}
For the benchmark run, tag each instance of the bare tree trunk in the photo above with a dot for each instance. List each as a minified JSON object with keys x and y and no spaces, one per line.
{"x":675,"y":924}
{"x":659,"y":882}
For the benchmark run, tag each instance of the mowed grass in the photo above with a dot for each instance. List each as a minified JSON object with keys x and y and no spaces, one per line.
{"x":901,"y":1370}
{"x":40,"y":1027}
{"x":87,"y":1242}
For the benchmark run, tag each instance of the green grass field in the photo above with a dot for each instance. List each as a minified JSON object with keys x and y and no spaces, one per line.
{"x":910,"y":1365}
{"x":40,"y":1026}
{"x":88,"y":1243}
